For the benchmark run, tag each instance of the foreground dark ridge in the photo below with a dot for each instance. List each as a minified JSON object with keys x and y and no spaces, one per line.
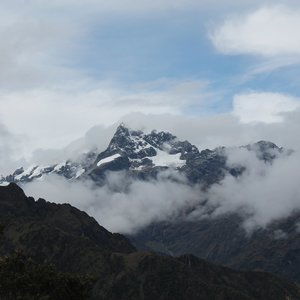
{"x":73,"y":242}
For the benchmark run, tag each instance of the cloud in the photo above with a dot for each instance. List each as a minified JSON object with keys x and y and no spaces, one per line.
{"x":263,"y":107}
{"x":122,"y":205}
{"x":54,"y":117}
{"x":269,"y":31}
{"x":10,"y":149}
{"x":96,"y":139}
{"x":33,"y":47}
{"x":50,"y":98}
{"x":280,"y":234}
{"x":205,"y":132}
{"x":264,"y":193}
{"x":222,"y":129}
{"x":45,"y":44}
{"x":128,"y":7}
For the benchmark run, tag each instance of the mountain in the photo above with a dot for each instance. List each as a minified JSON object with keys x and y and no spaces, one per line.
{"x":223,"y":240}
{"x":220,"y":240}
{"x":129,"y":150}
{"x":32,"y":226}
{"x":88,"y":260}
{"x":70,"y":169}
{"x":143,"y":156}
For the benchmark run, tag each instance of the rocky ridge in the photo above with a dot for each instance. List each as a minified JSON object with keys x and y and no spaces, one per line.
{"x":143,"y":156}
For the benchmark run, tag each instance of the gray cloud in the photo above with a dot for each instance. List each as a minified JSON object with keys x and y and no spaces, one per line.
{"x":115,"y":7}
{"x":32,"y":48}
{"x":264,"y":193}
{"x":263,"y":107}
{"x":122,"y":205}
{"x":97,"y":138}
{"x":35,"y":113}
{"x":222,"y":129}
{"x":81,"y":108}
{"x":39,"y":41}
{"x":252,"y":33}
{"x":10,"y":149}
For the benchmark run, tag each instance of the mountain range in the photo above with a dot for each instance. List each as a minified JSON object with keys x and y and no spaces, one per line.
{"x":222,"y":239}
{"x":144,"y":156}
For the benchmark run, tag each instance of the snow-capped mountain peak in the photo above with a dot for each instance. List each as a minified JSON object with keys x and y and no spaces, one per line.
{"x":144,"y":155}
{"x":156,"y":149}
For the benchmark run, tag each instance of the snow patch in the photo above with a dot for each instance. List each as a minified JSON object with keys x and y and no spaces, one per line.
{"x":59,"y":166}
{"x":164,"y":159}
{"x":79,"y":173}
{"x":108,"y":159}
{"x":38,"y":171}
{"x":27,"y":172}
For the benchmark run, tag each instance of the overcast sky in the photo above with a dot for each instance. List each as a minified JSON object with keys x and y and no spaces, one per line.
{"x":215,"y":72}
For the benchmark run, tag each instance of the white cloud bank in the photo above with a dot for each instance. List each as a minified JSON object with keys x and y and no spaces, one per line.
{"x":263,"y":107}
{"x":255,"y":116}
{"x":10,"y":151}
{"x":264,"y":193}
{"x":269,"y":31}
{"x":122,"y":205}
{"x":54,"y":117}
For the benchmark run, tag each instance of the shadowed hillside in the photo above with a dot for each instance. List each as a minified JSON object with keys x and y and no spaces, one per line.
{"x":62,"y":251}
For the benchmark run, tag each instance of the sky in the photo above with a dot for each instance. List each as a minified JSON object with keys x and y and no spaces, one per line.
{"x":216,"y":73}
{"x":228,"y":70}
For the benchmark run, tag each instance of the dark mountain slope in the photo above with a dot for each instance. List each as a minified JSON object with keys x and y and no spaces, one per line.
{"x":23,"y":278}
{"x":149,"y":276}
{"x":60,"y":234}
{"x":73,"y":242}
{"x":275,"y":249}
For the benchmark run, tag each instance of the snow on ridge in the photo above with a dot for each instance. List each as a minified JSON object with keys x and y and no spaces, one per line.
{"x":79,"y":172}
{"x":164,"y":159}
{"x":59,"y":166}
{"x":108,"y":159}
{"x":27,"y":172}
{"x":38,"y":171}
